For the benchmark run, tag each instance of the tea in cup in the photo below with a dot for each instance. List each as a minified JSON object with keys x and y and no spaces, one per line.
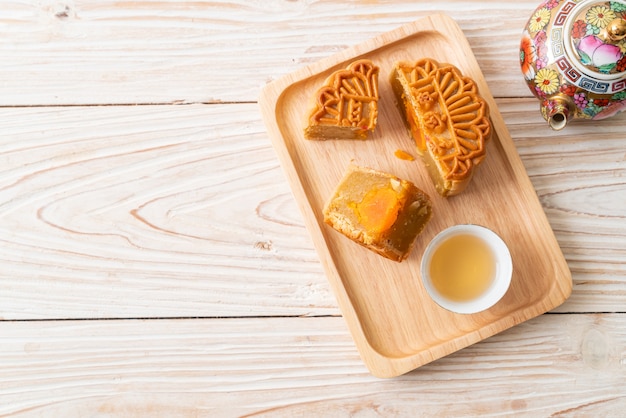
{"x":466,"y":268}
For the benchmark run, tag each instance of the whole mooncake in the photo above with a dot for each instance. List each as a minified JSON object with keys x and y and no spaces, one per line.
{"x":447,"y":118}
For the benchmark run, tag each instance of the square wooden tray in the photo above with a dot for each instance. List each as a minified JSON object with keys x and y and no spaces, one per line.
{"x":394,"y":323}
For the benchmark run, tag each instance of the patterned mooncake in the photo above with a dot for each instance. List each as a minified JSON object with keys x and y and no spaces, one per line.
{"x":447,"y":118}
{"x":346,"y":106}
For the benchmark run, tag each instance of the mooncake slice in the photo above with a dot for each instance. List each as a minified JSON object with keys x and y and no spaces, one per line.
{"x":346,"y":106}
{"x":447,"y":118}
{"x":379,"y":211}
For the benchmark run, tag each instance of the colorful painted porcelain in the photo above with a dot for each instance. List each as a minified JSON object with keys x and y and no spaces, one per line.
{"x":573,"y":57}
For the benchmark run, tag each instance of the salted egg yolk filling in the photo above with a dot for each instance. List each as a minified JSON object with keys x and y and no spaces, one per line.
{"x":378,"y":210}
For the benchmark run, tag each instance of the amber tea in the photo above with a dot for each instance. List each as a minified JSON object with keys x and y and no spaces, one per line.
{"x":462,"y":267}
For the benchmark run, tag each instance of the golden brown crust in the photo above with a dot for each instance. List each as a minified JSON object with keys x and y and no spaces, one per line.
{"x":396,"y":238}
{"x":447,"y":117}
{"x":346,"y":106}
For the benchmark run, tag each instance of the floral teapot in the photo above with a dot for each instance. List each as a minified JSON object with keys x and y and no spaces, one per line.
{"x":573,"y":57}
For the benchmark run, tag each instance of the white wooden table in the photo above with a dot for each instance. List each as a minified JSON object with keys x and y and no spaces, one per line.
{"x":153,"y":261}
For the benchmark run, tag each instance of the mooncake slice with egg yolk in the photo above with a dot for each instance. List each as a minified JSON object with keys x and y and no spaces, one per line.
{"x":378,"y":211}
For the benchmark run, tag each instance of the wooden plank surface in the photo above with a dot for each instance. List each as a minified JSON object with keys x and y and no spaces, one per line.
{"x":95,"y":199}
{"x":554,"y":365}
{"x":149,"y":211}
{"x":103,"y":51}
{"x":115,"y":217}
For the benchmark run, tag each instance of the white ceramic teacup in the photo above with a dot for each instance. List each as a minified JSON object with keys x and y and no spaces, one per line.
{"x":502,"y":269}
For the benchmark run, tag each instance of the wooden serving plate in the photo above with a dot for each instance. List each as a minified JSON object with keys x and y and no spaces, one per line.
{"x":394,"y":323}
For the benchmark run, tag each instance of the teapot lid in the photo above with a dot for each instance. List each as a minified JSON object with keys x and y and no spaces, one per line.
{"x":597,"y":37}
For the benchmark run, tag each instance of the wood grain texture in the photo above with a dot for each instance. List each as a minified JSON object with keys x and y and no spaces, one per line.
{"x":183,"y":211}
{"x":93,"y":199}
{"x":584,"y":198}
{"x":149,"y":211}
{"x":554,"y":365}
{"x":106,"y":51}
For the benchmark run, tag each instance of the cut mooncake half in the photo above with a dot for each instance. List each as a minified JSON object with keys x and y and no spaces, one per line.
{"x":346,"y":106}
{"x":379,"y":211}
{"x":447,"y":118}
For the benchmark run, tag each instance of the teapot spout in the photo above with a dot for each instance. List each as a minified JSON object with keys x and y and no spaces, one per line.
{"x":558,"y":120}
{"x":557,"y":111}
